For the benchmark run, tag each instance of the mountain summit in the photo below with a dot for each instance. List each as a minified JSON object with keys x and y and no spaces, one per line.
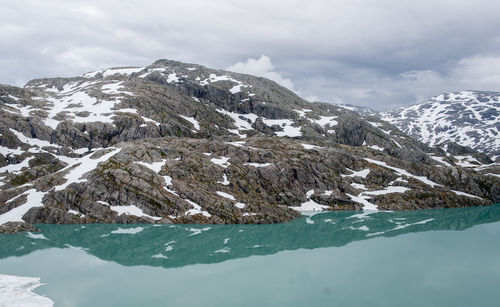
{"x":180,"y":143}
{"x":468,"y":118}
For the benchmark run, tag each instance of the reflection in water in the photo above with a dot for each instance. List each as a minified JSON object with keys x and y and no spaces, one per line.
{"x":180,"y":245}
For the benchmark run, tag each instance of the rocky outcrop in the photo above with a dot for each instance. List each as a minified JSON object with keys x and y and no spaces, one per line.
{"x":180,"y":143}
{"x":15,"y":227}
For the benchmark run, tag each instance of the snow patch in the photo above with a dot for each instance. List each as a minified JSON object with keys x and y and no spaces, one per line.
{"x":168,"y":182}
{"x":18,"y":291}
{"x":361,"y":173}
{"x":222,"y":161}
{"x":467,"y":161}
{"x":375,"y":147}
{"x":131,"y":231}
{"x":196,"y":209}
{"x":440,"y":160}
{"x":358,"y":186}
{"x":197,"y":231}
{"x":310,"y":205}
{"x":237,"y":143}
{"x":115,"y":89}
{"x":34,"y":199}
{"x":112,"y":71}
{"x":225,"y":195}
{"x":465,"y":194}
{"x":325,"y":121}
{"x":132,"y":210}
{"x":83,"y":165}
{"x":402,"y":172}
{"x":224,"y":180}
{"x":240,"y":205}
{"x":74,"y":212}
{"x":363,"y":197}
{"x":15,"y":168}
{"x":193,"y":121}
{"x":36,"y":236}
{"x":309,"y":147}
{"x":286,"y":126}
{"x":302,"y":113}
{"x":159,"y":256}
{"x":242,"y":121}
{"x":154,"y":166}
{"x":388,"y":190}
{"x":400,"y":226}
{"x":258,"y":164}
{"x":31,"y":141}
{"x":223,"y":250}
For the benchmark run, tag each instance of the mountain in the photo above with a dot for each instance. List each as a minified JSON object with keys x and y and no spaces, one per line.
{"x":358,"y":109}
{"x":180,"y":143}
{"x":468,"y":118}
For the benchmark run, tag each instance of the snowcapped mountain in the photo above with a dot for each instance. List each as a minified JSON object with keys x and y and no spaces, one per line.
{"x":181,"y":143}
{"x":468,"y":118}
{"x":358,"y":109}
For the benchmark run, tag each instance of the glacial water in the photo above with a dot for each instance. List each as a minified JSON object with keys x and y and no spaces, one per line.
{"x":419,"y":258}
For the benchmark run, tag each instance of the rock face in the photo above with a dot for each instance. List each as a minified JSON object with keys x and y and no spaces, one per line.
{"x":15,"y":227}
{"x":181,"y":143}
{"x":468,"y":118}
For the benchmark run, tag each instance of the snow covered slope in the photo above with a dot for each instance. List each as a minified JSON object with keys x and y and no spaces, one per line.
{"x":176,"y":142}
{"x":468,"y":118}
{"x":358,"y":109}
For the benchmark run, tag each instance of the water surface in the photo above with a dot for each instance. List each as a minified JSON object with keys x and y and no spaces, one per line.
{"x":418,"y":258}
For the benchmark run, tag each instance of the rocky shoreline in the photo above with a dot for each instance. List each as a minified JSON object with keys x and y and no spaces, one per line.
{"x":180,"y":143}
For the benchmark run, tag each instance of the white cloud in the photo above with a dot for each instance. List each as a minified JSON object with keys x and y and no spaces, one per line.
{"x":312,"y":98}
{"x":473,"y":73}
{"x":370,"y":88}
{"x":422,"y":84}
{"x":480,"y":72}
{"x":262,"y":67}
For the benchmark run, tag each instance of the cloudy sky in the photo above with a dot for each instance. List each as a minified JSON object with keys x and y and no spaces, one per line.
{"x":380,"y":54}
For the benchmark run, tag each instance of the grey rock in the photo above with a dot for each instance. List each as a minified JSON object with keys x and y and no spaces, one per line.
{"x":169,"y":117}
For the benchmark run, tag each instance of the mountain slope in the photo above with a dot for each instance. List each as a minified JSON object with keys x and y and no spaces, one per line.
{"x":358,"y":109}
{"x":468,"y":118}
{"x":181,"y":143}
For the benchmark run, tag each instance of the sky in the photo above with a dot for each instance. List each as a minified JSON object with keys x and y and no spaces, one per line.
{"x":379,"y":54}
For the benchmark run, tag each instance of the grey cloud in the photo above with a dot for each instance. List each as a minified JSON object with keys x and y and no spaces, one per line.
{"x":375,"y":53}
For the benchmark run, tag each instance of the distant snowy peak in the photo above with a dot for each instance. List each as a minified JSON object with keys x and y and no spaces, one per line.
{"x":358,"y":109}
{"x":468,"y":118}
{"x":113,"y":71}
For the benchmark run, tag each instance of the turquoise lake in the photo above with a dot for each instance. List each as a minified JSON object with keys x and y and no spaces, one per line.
{"x":448,"y":257}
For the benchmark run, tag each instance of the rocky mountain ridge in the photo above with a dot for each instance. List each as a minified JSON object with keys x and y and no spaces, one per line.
{"x":467,"y":118}
{"x":181,"y":143}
